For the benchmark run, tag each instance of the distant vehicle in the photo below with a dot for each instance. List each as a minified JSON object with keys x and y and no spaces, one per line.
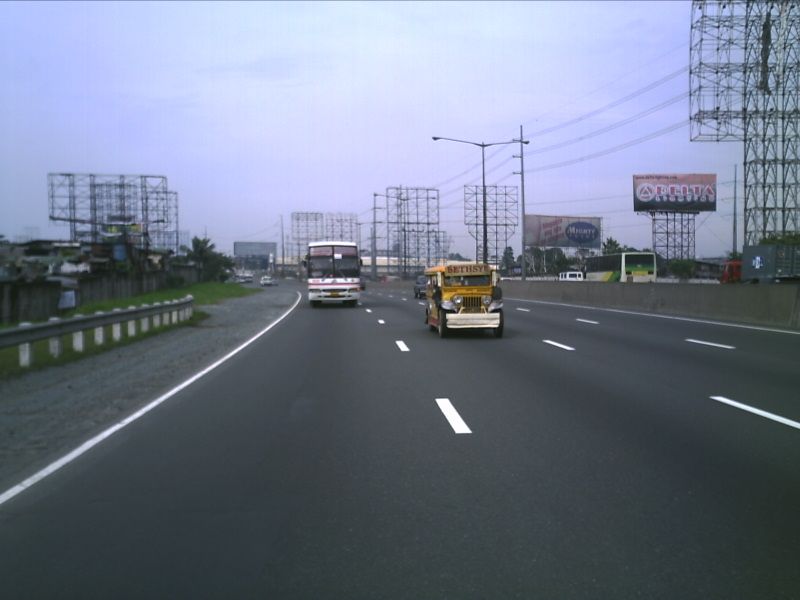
{"x":334,"y":273}
{"x":244,"y":277}
{"x":464,"y":296}
{"x":571,"y":276}
{"x":771,"y":263}
{"x":731,"y":272}
{"x":267,"y":280}
{"x":419,"y":287}
{"x":627,"y":267}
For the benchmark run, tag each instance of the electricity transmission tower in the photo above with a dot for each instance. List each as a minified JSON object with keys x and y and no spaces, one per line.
{"x":745,"y":86}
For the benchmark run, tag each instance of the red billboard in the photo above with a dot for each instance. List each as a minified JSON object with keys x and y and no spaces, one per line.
{"x":675,"y":193}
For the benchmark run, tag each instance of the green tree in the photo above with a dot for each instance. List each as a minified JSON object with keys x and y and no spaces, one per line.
{"x":213,"y":265}
{"x":611,"y":246}
{"x":507,"y":263}
{"x":788,"y":239}
{"x":682,"y":268}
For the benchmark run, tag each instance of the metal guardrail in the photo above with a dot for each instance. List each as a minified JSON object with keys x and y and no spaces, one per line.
{"x":159,"y":314}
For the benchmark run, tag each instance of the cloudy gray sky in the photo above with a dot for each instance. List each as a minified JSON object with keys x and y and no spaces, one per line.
{"x":255,"y":110}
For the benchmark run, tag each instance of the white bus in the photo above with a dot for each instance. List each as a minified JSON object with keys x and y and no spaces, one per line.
{"x":334,"y":273}
{"x":627,"y":267}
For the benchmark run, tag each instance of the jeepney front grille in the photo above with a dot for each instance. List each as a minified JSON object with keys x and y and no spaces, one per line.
{"x":472,"y":304}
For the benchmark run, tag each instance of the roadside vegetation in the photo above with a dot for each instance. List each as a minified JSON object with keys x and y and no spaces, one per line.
{"x":204,"y":294}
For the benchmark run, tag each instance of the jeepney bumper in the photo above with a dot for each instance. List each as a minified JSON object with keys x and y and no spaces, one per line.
{"x":473,"y":320}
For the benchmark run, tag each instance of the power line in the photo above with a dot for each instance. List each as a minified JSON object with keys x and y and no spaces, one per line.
{"x":611,"y":127}
{"x":611,"y":150}
{"x":614,"y":103}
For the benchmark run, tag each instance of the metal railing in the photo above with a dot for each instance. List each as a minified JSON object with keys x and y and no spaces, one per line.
{"x":159,"y":314}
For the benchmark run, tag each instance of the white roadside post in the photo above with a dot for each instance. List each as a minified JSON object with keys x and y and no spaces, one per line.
{"x":131,"y":325}
{"x":145,"y":322}
{"x":25,"y":351}
{"x":157,"y":316}
{"x":77,"y":338}
{"x":99,"y":332}
{"x":116,"y":328}
{"x":54,"y":343}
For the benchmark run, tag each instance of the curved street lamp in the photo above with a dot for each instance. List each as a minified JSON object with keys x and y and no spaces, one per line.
{"x":482,"y":146}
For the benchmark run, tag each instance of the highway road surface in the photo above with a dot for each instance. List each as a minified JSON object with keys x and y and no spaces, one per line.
{"x":352,"y":453}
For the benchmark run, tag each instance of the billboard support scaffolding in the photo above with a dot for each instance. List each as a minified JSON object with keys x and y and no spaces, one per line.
{"x":501,"y":217}
{"x":674,"y":234}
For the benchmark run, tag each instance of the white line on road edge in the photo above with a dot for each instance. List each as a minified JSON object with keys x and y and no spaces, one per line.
{"x":557,"y":345}
{"x":757,"y":411}
{"x":402,"y":345}
{"x":381,"y":322}
{"x":702,"y":343}
{"x":89,"y":444}
{"x":452,"y":416}
{"x":524,"y":309}
{"x":590,"y":322}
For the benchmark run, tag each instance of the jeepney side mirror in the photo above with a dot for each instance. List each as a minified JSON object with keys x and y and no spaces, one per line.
{"x":437,"y":294}
{"x":497,"y":293}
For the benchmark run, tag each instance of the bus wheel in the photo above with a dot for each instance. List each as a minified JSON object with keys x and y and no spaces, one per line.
{"x":442,"y":324}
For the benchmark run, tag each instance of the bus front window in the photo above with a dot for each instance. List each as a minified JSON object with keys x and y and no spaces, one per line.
{"x":320,"y":266}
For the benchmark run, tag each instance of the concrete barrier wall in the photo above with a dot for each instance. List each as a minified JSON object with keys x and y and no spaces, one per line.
{"x":776,"y":305}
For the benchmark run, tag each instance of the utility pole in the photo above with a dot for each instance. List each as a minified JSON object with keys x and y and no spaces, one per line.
{"x":374,"y":237}
{"x":734,"y":210}
{"x":521,"y":173}
{"x":283,"y":250}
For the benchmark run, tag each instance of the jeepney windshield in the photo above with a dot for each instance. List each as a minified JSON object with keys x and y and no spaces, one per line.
{"x":467,"y":280}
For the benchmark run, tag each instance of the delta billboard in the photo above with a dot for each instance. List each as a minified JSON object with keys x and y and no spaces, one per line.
{"x":675,"y":193}
{"x":563,"y":232}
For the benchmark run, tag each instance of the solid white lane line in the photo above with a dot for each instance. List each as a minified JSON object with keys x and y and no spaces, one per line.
{"x":402,"y":345}
{"x":702,"y":343}
{"x":557,"y":345}
{"x":654,"y":316}
{"x":452,"y":416}
{"x":524,"y":309}
{"x":756,"y":411}
{"x":381,"y":322}
{"x":588,"y":321}
{"x":89,"y":444}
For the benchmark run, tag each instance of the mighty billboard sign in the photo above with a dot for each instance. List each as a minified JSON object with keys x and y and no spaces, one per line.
{"x":562,"y":232}
{"x":674,"y":193}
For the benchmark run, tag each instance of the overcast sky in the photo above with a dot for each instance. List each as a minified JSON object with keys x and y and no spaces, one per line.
{"x":255,"y":110}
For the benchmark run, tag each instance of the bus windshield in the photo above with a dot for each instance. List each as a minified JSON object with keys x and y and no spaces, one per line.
{"x":333,"y":261}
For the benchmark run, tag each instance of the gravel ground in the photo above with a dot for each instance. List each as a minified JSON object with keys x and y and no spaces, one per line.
{"x":46,"y":413}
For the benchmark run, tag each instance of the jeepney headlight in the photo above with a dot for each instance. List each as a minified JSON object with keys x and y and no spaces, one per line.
{"x":458,"y":300}
{"x":487,"y":300}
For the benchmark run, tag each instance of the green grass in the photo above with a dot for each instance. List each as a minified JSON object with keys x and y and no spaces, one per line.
{"x":203,"y":293}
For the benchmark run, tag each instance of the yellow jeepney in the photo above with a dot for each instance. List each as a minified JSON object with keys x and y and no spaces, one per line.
{"x":463,"y":296}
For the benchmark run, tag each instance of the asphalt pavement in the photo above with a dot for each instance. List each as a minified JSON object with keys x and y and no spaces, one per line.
{"x":352,"y":453}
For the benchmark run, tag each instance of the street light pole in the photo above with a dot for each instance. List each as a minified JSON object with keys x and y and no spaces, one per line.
{"x":482,"y":146}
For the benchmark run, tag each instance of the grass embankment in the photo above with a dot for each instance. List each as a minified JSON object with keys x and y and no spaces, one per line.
{"x":203,"y":293}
